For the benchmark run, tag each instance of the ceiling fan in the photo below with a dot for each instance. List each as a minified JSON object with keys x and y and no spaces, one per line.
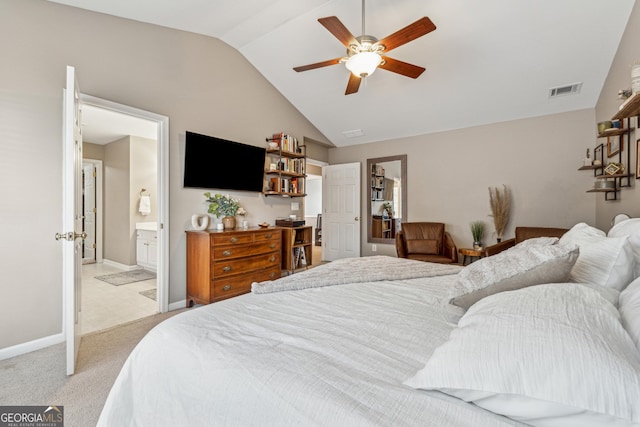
{"x":366,"y":53}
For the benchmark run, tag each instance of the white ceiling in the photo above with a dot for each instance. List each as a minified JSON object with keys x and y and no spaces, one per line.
{"x":488,"y":61}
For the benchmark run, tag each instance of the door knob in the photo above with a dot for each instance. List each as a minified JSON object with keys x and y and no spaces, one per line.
{"x":357,"y":218}
{"x":82,"y":235}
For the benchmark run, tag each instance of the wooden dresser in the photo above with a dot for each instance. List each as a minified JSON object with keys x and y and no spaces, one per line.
{"x":223,"y":264}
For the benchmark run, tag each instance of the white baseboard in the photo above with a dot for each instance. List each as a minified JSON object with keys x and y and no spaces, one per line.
{"x":178,"y":305}
{"x":120,"y":266}
{"x":30,"y":346}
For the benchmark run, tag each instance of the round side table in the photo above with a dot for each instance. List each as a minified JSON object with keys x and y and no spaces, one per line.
{"x":469,"y":255}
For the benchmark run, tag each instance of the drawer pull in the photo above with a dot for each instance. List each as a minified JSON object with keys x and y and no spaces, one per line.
{"x":233,"y":240}
{"x":273,"y":258}
{"x":268,"y":236}
{"x":226,"y":287}
{"x":227,"y":269}
{"x":227,"y":253}
{"x":272,"y":275}
{"x":272,"y":246}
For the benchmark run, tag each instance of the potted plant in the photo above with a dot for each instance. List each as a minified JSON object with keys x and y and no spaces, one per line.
{"x":387,"y":209}
{"x":500,"y":207}
{"x":225,"y":206}
{"x":477,"y":232}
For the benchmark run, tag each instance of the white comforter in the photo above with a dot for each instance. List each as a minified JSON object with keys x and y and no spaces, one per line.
{"x":329,"y":356}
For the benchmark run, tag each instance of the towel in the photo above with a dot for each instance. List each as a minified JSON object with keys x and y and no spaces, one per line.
{"x":145,"y":205}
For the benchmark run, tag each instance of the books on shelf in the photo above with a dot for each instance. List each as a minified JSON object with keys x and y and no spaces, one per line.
{"x":299,"y":258}
{"x":285,"y":142}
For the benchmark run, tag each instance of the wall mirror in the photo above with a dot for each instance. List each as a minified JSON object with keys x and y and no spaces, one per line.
{"x":386,"y":197}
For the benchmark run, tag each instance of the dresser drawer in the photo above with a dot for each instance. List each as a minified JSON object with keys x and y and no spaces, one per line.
{"x":230,"y":252}
{"x":233,"y":239}
{"x":244,"y":265}
{"x":261,"y":236}
{"x":241,"y":284}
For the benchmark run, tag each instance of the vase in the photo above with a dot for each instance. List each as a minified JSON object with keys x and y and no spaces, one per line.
{"x":200,"y":222}
{"x":477,"y":246}
{"x":229,"y":222}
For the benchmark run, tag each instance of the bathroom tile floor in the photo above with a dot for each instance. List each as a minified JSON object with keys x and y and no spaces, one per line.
{"x":105,"y":305}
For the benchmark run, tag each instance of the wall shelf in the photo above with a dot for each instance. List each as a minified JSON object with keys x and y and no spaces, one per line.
{"x":630,"y":108}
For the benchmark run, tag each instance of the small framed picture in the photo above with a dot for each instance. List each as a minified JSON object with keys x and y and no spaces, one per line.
{"x":614,"y":145}
{"x":612,"y":169}
{"x":638,"y":159}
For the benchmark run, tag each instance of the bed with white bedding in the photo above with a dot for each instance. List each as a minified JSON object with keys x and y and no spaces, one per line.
{"x":423,"y":344}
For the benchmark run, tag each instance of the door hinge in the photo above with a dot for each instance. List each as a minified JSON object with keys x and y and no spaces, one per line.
{"x":94,"y":246}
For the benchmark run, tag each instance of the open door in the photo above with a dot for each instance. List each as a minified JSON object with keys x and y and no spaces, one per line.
{"x":72,"y":234}
{"x":341,"y":211}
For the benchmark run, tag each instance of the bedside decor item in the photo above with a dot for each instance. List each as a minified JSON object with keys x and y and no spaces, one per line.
{"x":477,"y":231}
{"x":612,"y":169}
{"x":225,"y":206}
{"x":500,"y":206}
{"x":263,"y":224}
{"x":199,"y":222}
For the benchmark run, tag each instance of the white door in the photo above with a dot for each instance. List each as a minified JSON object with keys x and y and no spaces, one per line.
{"x":72,"y":234}
{"x":89,"y":212}
{"x":341,"y":211}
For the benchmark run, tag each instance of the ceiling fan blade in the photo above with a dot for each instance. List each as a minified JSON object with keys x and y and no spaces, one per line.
{"x":411,"y":32}
{"x":401,"y":67}
{"x":335,"y":27}
{"x":317,"y":65}
{"x":353,"y":85}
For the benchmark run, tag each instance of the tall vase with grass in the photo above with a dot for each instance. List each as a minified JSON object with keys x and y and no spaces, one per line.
{"x":477,"y":232}
{"x":500,"y":207}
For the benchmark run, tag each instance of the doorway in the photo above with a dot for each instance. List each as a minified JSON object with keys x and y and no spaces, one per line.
{"x":106,"y":302}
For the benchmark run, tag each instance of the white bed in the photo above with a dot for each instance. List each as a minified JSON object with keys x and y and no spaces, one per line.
{"x":328,"y":355}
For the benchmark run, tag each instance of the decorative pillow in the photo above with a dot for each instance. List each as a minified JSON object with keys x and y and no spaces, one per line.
{"x":631,"y":229}
{"x":604,"y":261}
{"x":423,"y":246}
{"x":629,"y":307}
{"x":525,"y":264}
{"x":547,"y":355}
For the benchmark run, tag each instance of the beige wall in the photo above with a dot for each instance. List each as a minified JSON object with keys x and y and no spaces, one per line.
{"x":619,"y":77}
{"x":449,"y":174}
{"x":199,"y":82}
{"x":117,"y":177}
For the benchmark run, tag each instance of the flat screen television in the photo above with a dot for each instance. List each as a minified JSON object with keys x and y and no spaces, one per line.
{"x":211,"y":162}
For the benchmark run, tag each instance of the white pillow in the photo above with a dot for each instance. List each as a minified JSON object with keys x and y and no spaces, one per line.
{"x":629,"y":307}
{"x":631,"y":229}
{"x":526,"y":264}
{"x":604,"y":261}
{"x":547,"y":355}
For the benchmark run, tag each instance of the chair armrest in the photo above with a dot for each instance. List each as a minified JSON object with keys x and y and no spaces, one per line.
{"x":499,"y":247}
{"x":450,"y":250}
{"x":400,"y":249}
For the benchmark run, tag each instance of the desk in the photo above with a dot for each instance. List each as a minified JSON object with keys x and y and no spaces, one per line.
{"x":470,"y":254}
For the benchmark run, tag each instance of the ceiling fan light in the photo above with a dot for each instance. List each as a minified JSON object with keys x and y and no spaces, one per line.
{"x":363,"y":64}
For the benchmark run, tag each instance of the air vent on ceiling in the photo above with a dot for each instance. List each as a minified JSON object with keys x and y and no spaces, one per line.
{"x":565,"y":90}
{"x":353,"y":133}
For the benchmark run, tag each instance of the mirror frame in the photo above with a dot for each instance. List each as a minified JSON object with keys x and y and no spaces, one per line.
{"x":403,"y":176}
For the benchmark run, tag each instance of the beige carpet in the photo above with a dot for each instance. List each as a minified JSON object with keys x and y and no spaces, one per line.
{"x":39,"y":378}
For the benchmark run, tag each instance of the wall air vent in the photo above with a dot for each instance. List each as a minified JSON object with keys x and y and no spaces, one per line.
{"x":353,"y":133}
{"x":565,"y":90}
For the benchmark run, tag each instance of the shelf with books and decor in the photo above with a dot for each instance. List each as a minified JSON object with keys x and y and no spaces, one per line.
{"x":297,"y":242}
{"x":286,"y":165}
{"x":614,"y":174}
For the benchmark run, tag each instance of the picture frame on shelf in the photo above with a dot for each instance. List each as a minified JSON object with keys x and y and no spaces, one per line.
{"x":614,"y":145}
{"x":638,"y":159}
{"x":612,"y":169}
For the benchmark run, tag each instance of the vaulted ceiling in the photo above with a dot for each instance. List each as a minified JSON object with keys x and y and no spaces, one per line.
{"x":488,"y":61}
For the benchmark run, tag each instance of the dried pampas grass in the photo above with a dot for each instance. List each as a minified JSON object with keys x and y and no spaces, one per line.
{"x":500,"y":206}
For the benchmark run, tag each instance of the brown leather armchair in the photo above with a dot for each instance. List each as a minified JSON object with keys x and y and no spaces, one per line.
{"x":426,"y":241}
{"x":522,"y":234}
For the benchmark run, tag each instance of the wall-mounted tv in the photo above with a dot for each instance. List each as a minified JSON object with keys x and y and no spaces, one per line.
{"x":211,"y":162}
